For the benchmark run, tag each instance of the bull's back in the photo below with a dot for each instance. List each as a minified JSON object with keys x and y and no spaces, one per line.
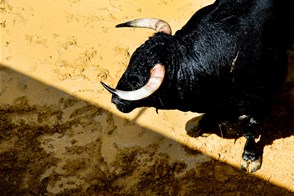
{"x":237,"y":52}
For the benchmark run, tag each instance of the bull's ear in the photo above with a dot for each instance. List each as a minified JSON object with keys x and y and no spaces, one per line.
{"x":157,"y":74}
{"x":151,"y":23}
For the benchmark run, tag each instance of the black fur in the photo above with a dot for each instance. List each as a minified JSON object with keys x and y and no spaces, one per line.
{"x":229,"y":60}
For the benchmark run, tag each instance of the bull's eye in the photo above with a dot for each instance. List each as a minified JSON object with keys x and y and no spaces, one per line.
{"x":136,"y":82}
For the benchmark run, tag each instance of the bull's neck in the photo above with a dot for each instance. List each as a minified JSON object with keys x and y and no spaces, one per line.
{"x":182,"y":76}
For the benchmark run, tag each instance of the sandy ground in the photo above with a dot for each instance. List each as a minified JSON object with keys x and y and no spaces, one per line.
{"x":59,"y":133}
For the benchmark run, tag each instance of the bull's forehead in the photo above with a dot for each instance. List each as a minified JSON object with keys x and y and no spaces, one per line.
{"x":159,"y":42}
{"x":144,"y":58}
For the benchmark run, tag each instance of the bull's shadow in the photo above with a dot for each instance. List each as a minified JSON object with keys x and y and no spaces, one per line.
{"x":279,"y":124}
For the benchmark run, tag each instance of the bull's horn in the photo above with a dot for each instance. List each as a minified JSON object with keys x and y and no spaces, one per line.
{"x":156,"y":78}
{"x":151,"y":23}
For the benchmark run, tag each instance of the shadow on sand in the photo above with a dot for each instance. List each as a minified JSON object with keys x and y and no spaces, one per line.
{"x":54,"y":143}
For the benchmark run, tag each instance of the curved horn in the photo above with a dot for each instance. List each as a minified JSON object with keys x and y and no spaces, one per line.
{"x":156,"y":78}
{"x":151,"y":23}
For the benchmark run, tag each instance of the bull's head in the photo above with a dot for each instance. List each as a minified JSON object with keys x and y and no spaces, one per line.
{"x":145,"y":72}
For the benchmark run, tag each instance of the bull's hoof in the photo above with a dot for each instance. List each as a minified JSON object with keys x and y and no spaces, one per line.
{"x":251,"y":162}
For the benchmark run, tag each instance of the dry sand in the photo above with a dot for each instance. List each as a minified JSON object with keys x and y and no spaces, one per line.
{"x":59,"y":133}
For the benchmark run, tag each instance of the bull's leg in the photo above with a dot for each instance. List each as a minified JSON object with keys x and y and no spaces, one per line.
{"x":251,"y":157}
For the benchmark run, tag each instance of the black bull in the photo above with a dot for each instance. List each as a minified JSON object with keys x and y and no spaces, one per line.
{"x":229,"y":61}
